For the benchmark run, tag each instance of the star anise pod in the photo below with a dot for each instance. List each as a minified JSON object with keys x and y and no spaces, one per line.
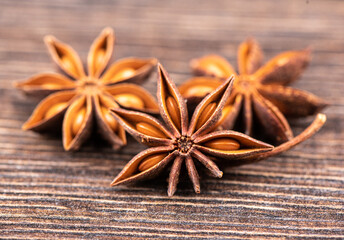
{"x":179,"y":141}
{"x":86,"y":97}
{"x":260,"y":99}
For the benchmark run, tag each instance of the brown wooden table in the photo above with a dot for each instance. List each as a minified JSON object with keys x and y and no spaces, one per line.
{"x":48,"y":193}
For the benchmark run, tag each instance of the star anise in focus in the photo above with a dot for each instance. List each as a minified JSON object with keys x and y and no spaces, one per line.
{"x":86,"y":97}
{"x":179,"y":141}
{"x":260,"y":99}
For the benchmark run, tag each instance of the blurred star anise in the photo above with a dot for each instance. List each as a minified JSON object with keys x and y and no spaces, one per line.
{"x":179,"y":141}
{"x":260,"y":99}
{"x":88,"y":97}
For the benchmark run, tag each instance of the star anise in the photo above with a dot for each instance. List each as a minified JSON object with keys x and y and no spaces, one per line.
{"x":86,"y":99}
{"x":260,"y":97}
{"x":180,"y":141}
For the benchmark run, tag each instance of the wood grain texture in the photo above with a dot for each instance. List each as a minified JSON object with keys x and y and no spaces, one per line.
{"x":46,"y":193}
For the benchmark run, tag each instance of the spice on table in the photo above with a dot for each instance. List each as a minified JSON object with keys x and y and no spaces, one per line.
{"x":84,"y":99}
{"x":179,"y":141}
{"x":260,"y":99}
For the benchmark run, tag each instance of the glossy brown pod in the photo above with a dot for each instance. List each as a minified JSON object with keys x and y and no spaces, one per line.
{"x":85,"y":99}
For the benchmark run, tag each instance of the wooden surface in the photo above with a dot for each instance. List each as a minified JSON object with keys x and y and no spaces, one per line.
{"x":48,"y":193}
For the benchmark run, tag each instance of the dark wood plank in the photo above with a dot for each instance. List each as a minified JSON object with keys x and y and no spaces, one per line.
{"x":46,"y":193}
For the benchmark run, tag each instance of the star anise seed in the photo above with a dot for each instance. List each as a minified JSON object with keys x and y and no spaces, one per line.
{"x":179,"y":141}
{"x":260,"y":97}
{"x":87,"y":97}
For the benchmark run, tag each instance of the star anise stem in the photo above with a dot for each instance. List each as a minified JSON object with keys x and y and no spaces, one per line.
{"x":314,"y":127}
